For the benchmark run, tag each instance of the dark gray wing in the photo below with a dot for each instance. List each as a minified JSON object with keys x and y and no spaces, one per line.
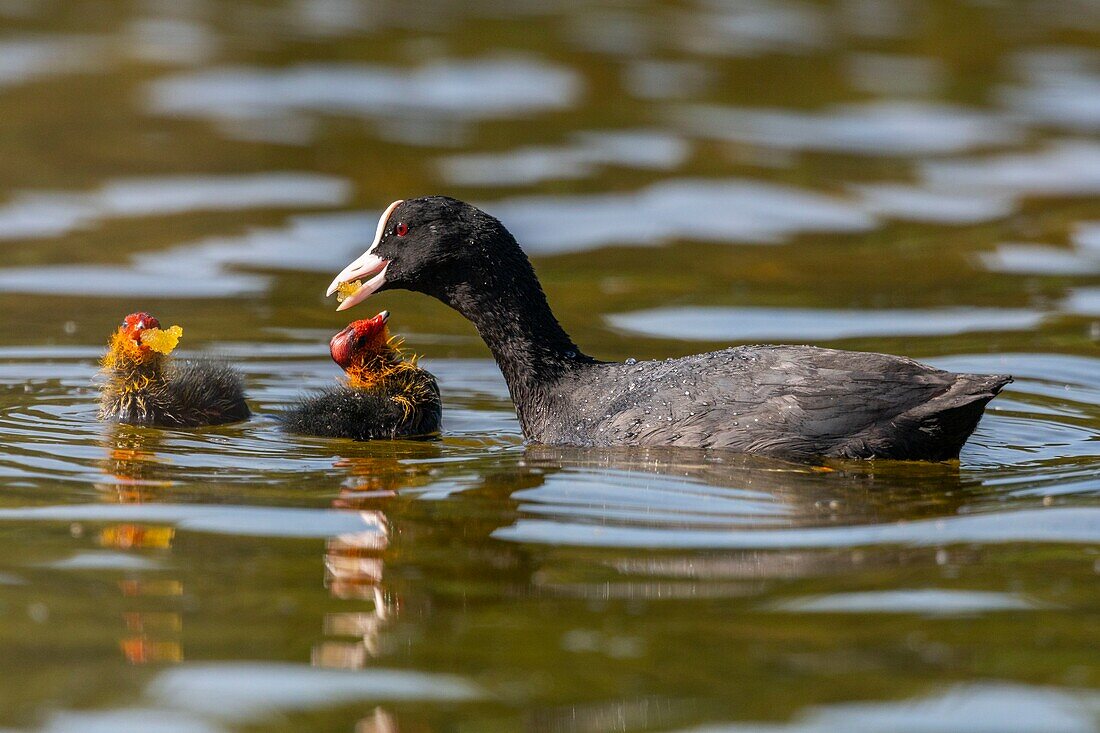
{"x":793,"y":401}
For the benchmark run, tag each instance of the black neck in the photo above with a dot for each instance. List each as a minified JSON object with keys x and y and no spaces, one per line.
{"x":510,"y":312}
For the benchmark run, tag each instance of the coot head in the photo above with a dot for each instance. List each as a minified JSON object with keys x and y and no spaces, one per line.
{"x":136,"y":324}
{"x":141,"y":333}
{"x":360,"y":340}
{"x":421,"y":244}
{"x":140,"y":340}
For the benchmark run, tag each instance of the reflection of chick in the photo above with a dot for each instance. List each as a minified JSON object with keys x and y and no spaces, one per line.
{"x":354,"y":566}
{"x":143,"y":386}
{"x":133,"y":471}
{"x":152,"y":631}
{"x":386,"y":396}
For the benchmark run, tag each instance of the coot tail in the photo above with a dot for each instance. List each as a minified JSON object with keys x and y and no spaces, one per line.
{"x":935,"y":430}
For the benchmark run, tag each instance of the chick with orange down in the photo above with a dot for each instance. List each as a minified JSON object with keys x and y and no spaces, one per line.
{"x":144,"y":386}
{"x":386,"y":395}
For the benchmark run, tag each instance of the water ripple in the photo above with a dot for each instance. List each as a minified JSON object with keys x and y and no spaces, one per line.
{"x":458,"y":91}
{"x":40,"y":214}
{"x":814,"y":324}
{"x":1070,"y":525}
{"x":724,"y":211}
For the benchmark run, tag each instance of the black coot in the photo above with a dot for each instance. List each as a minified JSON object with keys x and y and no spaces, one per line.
{"x":786,"y":401}
{"x":386,"y":395}
{"x":144,"y":386}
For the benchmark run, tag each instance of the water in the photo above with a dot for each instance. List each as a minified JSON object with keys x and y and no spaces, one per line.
{"x":911,"y":177}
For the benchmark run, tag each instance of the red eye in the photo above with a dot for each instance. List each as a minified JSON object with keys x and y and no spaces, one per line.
{"x":401,"y":229}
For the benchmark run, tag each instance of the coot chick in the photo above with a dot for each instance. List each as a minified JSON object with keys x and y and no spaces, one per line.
{"x":144,"y":386}
{"x":386,"y":396}
{"x":787,"y":401}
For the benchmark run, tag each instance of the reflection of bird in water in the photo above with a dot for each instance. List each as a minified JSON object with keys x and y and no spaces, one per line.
{"x":143,"y":386}
{"x":686,"y":491}
{"x":353,"y":571}
{"x":380,"y":721}
{"x":678,"y":491}
{"x":354,"y":563}
{"x":444,"y":578}
{"x":136,"y":475}
{"x":135,"y":470}
{"x":849,"y":491}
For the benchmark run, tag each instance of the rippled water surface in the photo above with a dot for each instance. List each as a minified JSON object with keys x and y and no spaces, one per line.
{"x":914,"y":177}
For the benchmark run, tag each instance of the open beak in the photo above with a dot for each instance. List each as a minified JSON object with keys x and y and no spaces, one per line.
{"x":369,"y":267}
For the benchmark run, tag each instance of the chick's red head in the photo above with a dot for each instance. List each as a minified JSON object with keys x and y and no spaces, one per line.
{"x":135,"y":323}
{"x":360,"y":339}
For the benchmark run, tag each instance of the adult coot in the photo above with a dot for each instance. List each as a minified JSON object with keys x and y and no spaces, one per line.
{"x":786,"y":401}
{"x":386,"y":395}
{"x":144,"y":386}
